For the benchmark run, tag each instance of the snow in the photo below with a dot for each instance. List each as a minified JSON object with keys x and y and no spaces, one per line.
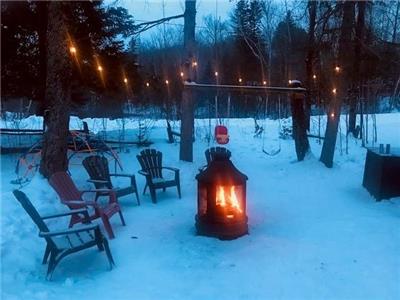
{"x":315,"y":233}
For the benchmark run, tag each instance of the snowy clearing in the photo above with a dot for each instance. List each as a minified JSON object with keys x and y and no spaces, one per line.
{"x":315,"y":233}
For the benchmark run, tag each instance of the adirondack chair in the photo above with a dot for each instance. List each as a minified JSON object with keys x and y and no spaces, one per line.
{"x":65,"y":242}
{"x":72,"y":197}
{"x":151,"y":162}
{"x":97,"y":168}
{"x":212,"y":152}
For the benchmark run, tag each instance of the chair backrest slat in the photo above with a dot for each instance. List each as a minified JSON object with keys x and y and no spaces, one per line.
{"x":97,"y":168}
{"x":65,"y":188}
{"x":213,"y":151}
{"x":151,"y":161}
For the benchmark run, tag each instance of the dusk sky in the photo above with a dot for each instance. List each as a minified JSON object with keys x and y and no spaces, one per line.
{"x":148,"y":10}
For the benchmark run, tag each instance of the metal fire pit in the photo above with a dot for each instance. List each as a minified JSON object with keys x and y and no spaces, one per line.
{"x":221,"y":200}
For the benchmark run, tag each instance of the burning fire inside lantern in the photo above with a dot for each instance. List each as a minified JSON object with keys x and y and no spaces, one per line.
{"x":221,"y":199}
{"x":228,"y":201}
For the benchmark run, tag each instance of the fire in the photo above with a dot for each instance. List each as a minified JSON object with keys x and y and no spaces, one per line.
{"x":228,"y":200}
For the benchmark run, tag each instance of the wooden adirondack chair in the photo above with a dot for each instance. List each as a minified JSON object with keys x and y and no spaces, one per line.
{"x":151,"y":162}
{"x":100,"y":176}
{"x":212,"y":152}
{"x":65,"y":242}
{"x":72,"y":197}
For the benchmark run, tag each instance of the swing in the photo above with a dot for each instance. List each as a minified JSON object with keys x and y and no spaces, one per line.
{"x":275,"y":151}
{"x":221,"y":134}
{"x":221,"y":131}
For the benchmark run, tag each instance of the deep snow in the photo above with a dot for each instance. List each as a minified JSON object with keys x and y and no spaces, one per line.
{"x":315,"y":233}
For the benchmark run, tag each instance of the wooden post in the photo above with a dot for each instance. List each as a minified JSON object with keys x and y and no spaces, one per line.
{"x":299,"y":121}
{"x":187,"y":125}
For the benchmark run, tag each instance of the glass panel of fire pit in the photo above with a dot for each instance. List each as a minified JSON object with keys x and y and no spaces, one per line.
{"x":202,"y":200}
{"x":229,"y":201}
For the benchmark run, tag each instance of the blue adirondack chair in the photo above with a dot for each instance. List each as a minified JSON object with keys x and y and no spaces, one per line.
{"x":65,"y":242}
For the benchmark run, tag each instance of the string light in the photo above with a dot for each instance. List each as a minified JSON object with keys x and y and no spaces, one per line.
{"x":166,"y":82}
{"x":337,"y":69}
{"x":147,"y":84}
{"x":182,"y":74}
{"x":216,"y":74}
{"x":99,"y":68}
{"x":264,"y":82}
{"x":314,"y":76}
{"x":126,"y":80}
{"x":334,"y":91}
{"x":332,"y":115}
{"x":72,"y":49}
{"x":290,"y":82}
{"x":194,"y":64}
{"x":240,"y":80}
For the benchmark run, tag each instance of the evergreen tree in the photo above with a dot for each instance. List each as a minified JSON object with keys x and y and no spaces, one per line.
{"x":96,"y":32}
{"x":249,"y":42}
{"x":288,"y":52}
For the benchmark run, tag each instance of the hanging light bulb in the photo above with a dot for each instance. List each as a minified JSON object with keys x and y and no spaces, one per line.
{"x":334,"y":91}
{"x":166,"y":82}
{"x":240,"y":80}
{"x":125,"y":80}
{"x":99,"y":68}
{"x":182,"y":74}
{"x":216,"y":74}
{"x":314,"y":76}
{"x":147,"y":84}
{"x":290,"y":82}
{"x":337,"y":69}
{"x":332,"y":115}
{"x":264,"y":82}
{"x":72,"y":50}
{"x":194,"y":64}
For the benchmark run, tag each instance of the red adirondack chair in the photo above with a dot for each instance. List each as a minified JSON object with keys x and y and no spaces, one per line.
{"x":72,"y":197}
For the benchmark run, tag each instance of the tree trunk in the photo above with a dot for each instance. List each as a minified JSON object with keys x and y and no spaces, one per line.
{"x":356,"y":66}
{"x":189,"y":41}
{"x":42,"y":20}
{"x":395,"y":23}
{"x":312,"y":13}
{"x":187,"y":106}
{"x":328,"y":147}
{"x":58,"y":92}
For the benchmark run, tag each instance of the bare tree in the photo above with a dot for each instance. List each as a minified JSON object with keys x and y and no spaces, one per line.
{"x":340,"y":90}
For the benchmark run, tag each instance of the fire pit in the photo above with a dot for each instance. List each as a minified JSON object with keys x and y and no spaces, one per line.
{"x":221,"y":200}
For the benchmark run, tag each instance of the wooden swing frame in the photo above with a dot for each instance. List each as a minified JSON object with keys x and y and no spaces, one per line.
{"x":187,"y":107}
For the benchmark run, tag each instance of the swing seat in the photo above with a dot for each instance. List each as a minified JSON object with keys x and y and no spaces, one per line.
{"x":221,"y":134}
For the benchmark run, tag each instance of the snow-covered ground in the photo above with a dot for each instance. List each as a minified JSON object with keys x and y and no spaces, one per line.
{"x":315,"y":233}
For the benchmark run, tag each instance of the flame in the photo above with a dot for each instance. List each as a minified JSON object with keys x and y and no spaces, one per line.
{"x":228,"y":200}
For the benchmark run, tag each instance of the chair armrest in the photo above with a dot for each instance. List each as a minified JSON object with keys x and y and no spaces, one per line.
{"x":144,"y":173}
{"x":97,"y":181}
{"x":68,"y":231}
{"x":122,"y":175}
{"x":68,"y":213}
{"x":79,"y":202}
{"x":170,"y":168}
{"x":110,"y":191}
